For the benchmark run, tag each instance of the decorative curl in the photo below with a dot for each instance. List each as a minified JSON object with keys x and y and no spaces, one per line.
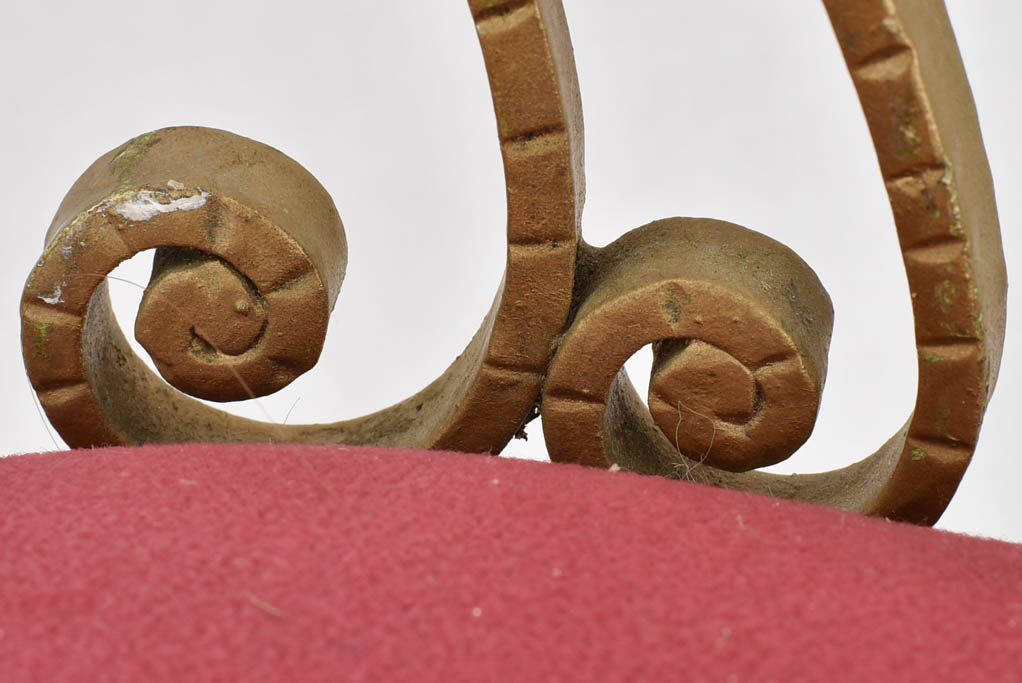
{"x":251,"y":254}
{"x":740,"y":327}
{"x":239,"y":300}
{"x":250,"y":258}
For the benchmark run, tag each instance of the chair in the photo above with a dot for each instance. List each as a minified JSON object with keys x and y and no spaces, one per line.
{"x":291,"y":556}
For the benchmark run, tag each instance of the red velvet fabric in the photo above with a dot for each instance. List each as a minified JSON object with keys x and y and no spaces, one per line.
{"x":285,"y":563}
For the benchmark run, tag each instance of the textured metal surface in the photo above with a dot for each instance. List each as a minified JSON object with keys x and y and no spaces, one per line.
{"x":251,"y":255}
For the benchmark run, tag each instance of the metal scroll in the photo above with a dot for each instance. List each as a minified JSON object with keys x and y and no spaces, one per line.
{"x":250,"y":256}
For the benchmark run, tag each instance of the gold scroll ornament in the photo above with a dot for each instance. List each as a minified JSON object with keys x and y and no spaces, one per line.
{"x":250,"y":254}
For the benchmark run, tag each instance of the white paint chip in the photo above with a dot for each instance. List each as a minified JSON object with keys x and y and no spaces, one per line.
{"x":477,"y":612}
{"x":145,"y":205}
{"x":175,"y":185}
{"x":56,"y":297}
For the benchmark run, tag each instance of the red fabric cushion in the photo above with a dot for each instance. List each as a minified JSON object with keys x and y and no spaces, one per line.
{"x":260,"y":563}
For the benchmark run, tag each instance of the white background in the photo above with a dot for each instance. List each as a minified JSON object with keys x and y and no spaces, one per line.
{"x":736,"y":110}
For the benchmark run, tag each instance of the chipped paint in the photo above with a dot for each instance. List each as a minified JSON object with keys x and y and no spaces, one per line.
{"x":56,"y":297}
{"x":947,"y":180}
{"x":146,"y":205}
{"x":910,"y":136}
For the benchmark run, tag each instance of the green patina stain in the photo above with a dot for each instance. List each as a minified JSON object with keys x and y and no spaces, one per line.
{"x":946,"y":294}
{"x":941,"y":423}
{"x":673,"y":309}
{"x":918,"y":454}
{"x":955,"y":330}
{"x":956,"y":211}
{"x":794,"y":298}
{"x":911,"y":145}
{"x":42,"y":337}
{"x":908,"y":126}
{"x":212,"y":224}
{"x":933,"y":358}
{"x":124,"y":163}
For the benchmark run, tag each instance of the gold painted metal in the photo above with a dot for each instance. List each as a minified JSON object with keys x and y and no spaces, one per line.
{"x":251,"y":254}
{"x":740,"y":385}
{"x":96,"y":391}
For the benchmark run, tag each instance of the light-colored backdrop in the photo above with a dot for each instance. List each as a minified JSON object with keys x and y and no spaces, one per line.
{"x":730,"y":109}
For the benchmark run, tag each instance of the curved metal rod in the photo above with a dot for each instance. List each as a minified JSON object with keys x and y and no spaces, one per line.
{"x":740,"y":325}
{"x":912,"y":86}
{"x":195,"y":193}
{"x":905,"y":64}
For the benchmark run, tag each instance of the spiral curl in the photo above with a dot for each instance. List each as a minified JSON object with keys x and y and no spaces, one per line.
{"x":740,"y":327}
{"x":250,"y":254}
{"x":239,"y":299}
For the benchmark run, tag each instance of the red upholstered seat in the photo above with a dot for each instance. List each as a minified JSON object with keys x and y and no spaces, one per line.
{"x":286,"y":563}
